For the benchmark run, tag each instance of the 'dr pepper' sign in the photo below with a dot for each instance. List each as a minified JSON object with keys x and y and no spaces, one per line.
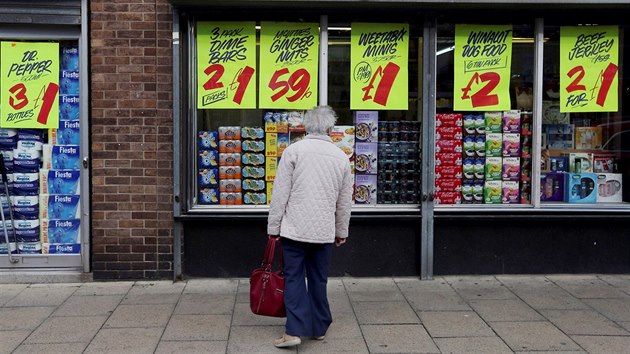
{"x":483,"y":56}
{"x":226,"y":65}
{"x":379,"y":65}
{"x":589,"y":58}
{"x":29,"y":85}
{"x":289,"y":59}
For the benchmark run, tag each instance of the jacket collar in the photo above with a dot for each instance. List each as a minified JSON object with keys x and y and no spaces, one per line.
{"x":319,"y":137}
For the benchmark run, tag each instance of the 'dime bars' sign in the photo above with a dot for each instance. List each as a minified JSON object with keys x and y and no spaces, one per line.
{"x":29,"y":85}
{"x":379,"y":66}
{"x":589,"y":59}
{"x":289,"y":59}
{"x":226,"y":65}
{"x":483,"y":55}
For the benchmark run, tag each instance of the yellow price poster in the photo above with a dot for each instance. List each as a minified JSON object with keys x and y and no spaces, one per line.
{"x":483,"y":56}
{"x":589,"y":59}
{"x":289,"y":59}
{"x":29,"y":85}
{"x":226,"y":65}
{"x":379,"y":63}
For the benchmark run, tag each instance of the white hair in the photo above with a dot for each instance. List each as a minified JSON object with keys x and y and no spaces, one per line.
{"x":319,"y":120}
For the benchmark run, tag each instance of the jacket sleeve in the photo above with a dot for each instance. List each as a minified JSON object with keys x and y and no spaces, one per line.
{"x":281,"y":191}
{"x":344,"y":205}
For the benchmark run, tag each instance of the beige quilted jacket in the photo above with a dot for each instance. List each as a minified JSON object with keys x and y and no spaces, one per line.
{"x":312,"y":192}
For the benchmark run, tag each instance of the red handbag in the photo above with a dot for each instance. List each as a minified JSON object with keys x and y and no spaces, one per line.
{"x":266,"y":292}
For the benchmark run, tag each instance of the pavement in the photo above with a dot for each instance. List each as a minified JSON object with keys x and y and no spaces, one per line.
{"x":481,"y":314}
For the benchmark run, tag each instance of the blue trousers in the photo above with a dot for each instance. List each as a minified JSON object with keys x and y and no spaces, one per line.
{"x":308,"y":311}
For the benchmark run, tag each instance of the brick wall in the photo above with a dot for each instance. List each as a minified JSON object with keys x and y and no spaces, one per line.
{"x":131,"y":139}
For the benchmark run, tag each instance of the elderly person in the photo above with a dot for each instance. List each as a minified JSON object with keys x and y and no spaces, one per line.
{"x":310,"y":210}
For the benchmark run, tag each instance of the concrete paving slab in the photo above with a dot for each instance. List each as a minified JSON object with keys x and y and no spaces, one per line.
{"x":436,"y":301}
{"x":344,"y":326}
{"x":333,"y":346}
{"x":125,"y":340}
{"x":42,"y":295}
{"x":603,"y":344}
{"x":104,"y":288}
{"x":211,"y":286}
{"x":524,"y":281}
{"x":205,"y":304}
{"x":587,"y":287}
{"x":243,"y":316}
{"x":398,"y":339}
{"x":551,"y":352}
{"x":614,"y":309}
{"x":156,"y":287}
{"x":88,"y":305}
{"x":621,"y":282}
{"x":371,"y":289}
{"x":23,"y":318}
{"x":9,"y":291}
{"x":505,"y":310}
{"x":145,"y":299}
{"x":475,"y":288}
{"x":583,"y":322}
{"x":455,"y":324}
{"x":140,"y":316}
{"x":625,"y":325}
{"x":412,"y":284}
{"x":256,"y":339}
{"x":51,"y":348}
{"x":486,"y":345}
{"x":198,"y":346}
{"x":385,"y":312}
{"x":197,"y":327}
{"x":533,"y":336}
{"x":67,"y":330}
{"x":550,"y":298}
{"x":9,"y":340}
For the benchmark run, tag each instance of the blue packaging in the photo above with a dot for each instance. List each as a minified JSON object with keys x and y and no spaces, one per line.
{"x":61,"y":248}
{"x":208,"y":140}
{"x":69,"y":82}
{"x":61,"y":157}
{"x":61,"y":231}
{"x":209,"y":196}
{"x":9,"y":231}
{"x":7,"y":156}
{"x":580,"y":187}
{"x":29,"y":145}
{"x":3,"y":247}
{"x":31,"y":134}
{"x":29,"y":247}
{"x":26,"y":230}
{"x":69,"y":108}
{"x":25,"y":183}
{"x":68,"y":133}
{"x":208,"y":158}
{"x":208,"y":177}
{"x":59,"y":181}
{"x":25,"y":207}
{"x":59,"y":206}
{"x":8,"y":139}
{"x":26,"y":161}
{"x":69,"y":59}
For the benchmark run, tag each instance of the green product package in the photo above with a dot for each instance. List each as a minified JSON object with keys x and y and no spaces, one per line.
{"x":494,"y":168}
{"x":494,"y":122}
{"x":492,"y":192}
{"x":494,"y":145}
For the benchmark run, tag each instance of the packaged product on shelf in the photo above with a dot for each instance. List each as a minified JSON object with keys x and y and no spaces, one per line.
{"x":469,"y":145}
{"x":26,"y":161}
{"x":407,"y":135}
{"x":526,"y":146}
{"x":366,"y":159}
{"x":448,"y":198}
{"x":474,"y":124}
{"x":479,"y":169}
{"x":253,"y":159}
{"x":25,"y":184}
{"x":559,"y":163}
{"x":366,"y":123}
{"x":61,"y":231}
{"x":208,"y":140}
{"x":253,"y":145}
{"x":269,"y":191}
{"x":283,"y":142}
{"x":448,"y":133}
{"x":271,"y":124}
{"x":8,"y":139}
{"x":511,"y":145}
{"x":69,"y":59}
{"x":467,"y":192}
{"x":271,"y":166}
{"x":527,"y":119}
{"x":468,"y":169}
{"x":228,"y":159}
{"x":61,"y":157}
{"x":4,"y":247}
{"x":480,"y":145}
{"x":25,"y":207}
{"x":208,"y":158}
{"x":230,"y":198}
{"x":252,"y":172}
{"x":448,"y":172}
{"x":69,"y":107}
{"x":494,"y":122}
{"x":255,"y":185}
{"x":295,"y":136}
{"x":68,"y":133}
{"x":526,"y":192}
{"x":59,"y":181}
{"x":494,"y":145}
{"x":552,"y":187}
{"x":31,"y":134}
{"x":343,"y":137}
{"x":365,"y":190}
{"x":526,"y":169}
{"x":588,"y":137}
{"x":494,"y":168}
{"x":209,"y":196}
{"x":603,"y":163}
{"x":580,"y":187}
{"x":230,"y":146}
{"x":7,"y":156}
{"x":61,"y":248}
{"x":512,"y":121}
{"x":449,"y":120}
{"x":559,"y":136}
{"x":580,"y":162}
{"x":208,"y":177}
{"x":449,"y":146}
{"x":492,"y":192}
{"x":69,"y":82}
{"x":271,"y":140}
{"x":26,"y":230}
{"x":29,"y":145}
{"x":609,"y":188}
{"x":510,"y":193}
{"x":448,"y":159}
{"x":231,"y":172}
{"x":230,"y":186}
{"x":253,"y":133}
{"x":59,"y":206}
{"x":255,"y":198}
{"x":229,"y":133}
{"x":448,"y":185}
{"x":511,"y":169}
{"x":294,"y":120}
{"x":29,"y":247}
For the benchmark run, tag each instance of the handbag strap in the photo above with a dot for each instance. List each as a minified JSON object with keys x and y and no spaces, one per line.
{"x":270,"y":252}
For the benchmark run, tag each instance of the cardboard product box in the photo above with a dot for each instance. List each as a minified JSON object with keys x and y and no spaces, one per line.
{"x":559,"y":136}
{"x":526,"y":192}
{"x":551,"y":113}
{"x":474,"y":124}
{"x":366,"y":123}
{"x":271,"y":141}
{"x":480,"y":145}
{"x":448,"y":120}
{"x":366,"y":159}
{"x":559,"y":163}
{"x":448,"y":198}
{"x":365,"y":189}
{"x":253,"y":145}
{"x":450,"y":146}
{"x":494,"y":145}
{"x":269,"y":192}
{"x":208,"y":158}
{"x":580,"y":162}
{"x":510,"y":192}
{"x":588,"y":137}
{"x":271,"y":124}
{"x":511,"y":169}
{"x":271,"y":166}
{"x":61,"y":231}
{"x":492,"y":192}
{"x":343,"y":137}
{"x":512,"y":121}
{"x":208,"y":177}
{"x":468,"y":145}
{"x":526,"y":169}
{"x":230,"y":146}
{"x":446,"y":159}
{"x":609,"y":188}
{"x":494,"y":122}
{"x":448,"y":185}
{"x":511,"y":145}
{"x":229,"y":133}
{"x":527,"y":121}
{"x":604,"y":163}
{"x":208,"y":140}
{"x":494,"y":168}
{"x":552,"y":187}
{"x":580,"y":187}
{"x":479,"y":169}
{"x":455,"y":172}
{"x":283,"y":142}
{"x":448,"y":133}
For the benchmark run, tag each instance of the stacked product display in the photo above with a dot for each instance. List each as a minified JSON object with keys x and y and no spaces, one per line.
{"x":366,"y":160}
{"x":483,"y":158}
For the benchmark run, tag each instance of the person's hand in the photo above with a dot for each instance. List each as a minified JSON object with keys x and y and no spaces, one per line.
{"x":339,"y":241}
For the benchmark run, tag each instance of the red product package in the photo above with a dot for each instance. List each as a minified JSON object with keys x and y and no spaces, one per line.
{"x":448,"y":172}
{"x":449,"y":120}
{"x":448,"y":198}
{"x":448,"y":133}
{"x":448,"y":185}
{"x":449,"y":146}
{"x":448,"y":159}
